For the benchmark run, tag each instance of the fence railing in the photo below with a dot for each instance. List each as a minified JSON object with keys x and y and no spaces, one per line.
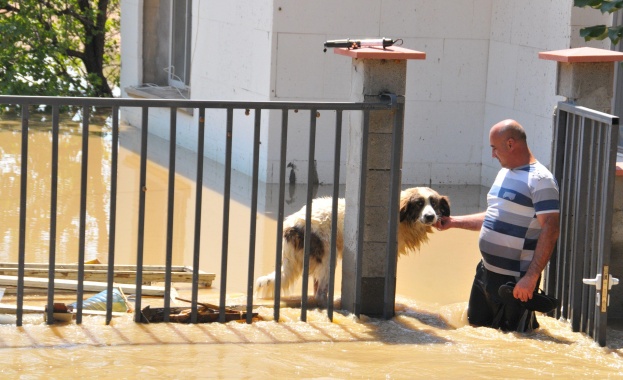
{"x":583,"y":162}
{"x":199,"y":108}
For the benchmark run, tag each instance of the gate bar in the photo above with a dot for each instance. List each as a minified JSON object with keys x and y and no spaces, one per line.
{"x":142,"y":191}
{"x":53,"y":207}
{"x":22,"y":218}
{"x":308,"y":210}
{"x":198,"y":204}
{"x":113,"y":212}
{"x":170,"y":213}
{"x":334,"y":211}
{"x":253,"y":224}
{"x":84,"y":177}
{"x":226,"y":206}
{"x":280,"y":212}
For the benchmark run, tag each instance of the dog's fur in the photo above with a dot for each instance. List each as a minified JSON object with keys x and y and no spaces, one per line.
{"x":420,"y":208}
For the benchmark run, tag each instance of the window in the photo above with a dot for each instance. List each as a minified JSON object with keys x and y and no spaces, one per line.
{"x":166,"y":50}
{"x":179,"y":56}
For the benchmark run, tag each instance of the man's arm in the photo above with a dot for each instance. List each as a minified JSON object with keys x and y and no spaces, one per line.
{"x":543,"y":252}
{"x":471,"y":222}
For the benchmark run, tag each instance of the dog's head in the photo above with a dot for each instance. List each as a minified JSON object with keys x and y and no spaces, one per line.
{"x":423,"y":205}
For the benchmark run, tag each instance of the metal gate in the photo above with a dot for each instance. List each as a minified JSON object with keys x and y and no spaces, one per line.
{"x":584,"y":164}
{"x":235,"y":111}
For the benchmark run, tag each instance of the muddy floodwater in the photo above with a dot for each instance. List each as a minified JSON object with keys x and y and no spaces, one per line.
{"x":428,"y":338}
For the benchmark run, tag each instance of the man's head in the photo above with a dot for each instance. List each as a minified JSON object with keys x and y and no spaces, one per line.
{"x":509,"y":145}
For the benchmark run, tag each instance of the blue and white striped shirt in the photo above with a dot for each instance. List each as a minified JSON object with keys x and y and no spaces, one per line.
{"x":510,"y":230}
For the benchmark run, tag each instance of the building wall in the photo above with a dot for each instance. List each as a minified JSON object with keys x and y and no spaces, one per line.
{"x":232,"y":61}
{"x":482,"y":66}
{"x":438,"y":88}
{"x":448,"y":86}
{"x":521,"y":86}
{"x":131,"y":41}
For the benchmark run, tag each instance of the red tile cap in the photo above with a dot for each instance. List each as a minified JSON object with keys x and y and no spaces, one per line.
{"x":390,"y":52}
{"x":619,"y":170}
{"x":583,"y":54}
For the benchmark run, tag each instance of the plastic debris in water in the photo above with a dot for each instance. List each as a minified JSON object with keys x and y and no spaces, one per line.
{"x":98,"y":302}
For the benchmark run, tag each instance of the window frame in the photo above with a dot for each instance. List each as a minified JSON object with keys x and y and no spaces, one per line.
{"x":181,"y":28}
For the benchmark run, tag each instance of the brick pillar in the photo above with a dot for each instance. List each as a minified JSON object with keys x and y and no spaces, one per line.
{"x":374,"y":71}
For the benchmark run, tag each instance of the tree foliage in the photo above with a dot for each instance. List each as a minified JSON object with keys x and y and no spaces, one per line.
{"x":59,"y":47}
{"x":600,"y":32}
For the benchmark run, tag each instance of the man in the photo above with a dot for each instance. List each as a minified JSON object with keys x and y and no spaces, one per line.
{"x":518,"y":232}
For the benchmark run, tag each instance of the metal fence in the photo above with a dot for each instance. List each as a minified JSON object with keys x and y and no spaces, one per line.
{"x":383,"y":103}
{"x":584,"y":160}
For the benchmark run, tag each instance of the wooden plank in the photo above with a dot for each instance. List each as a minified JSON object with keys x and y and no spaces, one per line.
{"x":176,"y":268}
{"x":88,"y":286}
{"x":99,"y":272}
{"x":127,"y":277}
{"x":10,"y":309}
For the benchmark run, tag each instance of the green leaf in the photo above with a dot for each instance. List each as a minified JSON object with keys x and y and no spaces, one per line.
{"x":615,"y":33}
{"x":611,"y":6}
{"x":597,"y":32}
{"x":587,"y":3}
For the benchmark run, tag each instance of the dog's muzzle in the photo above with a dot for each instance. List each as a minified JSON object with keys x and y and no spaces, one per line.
{"x":429,"y":219}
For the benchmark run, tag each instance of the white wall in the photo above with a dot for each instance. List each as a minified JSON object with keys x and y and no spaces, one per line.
{"x":482,"y":66}
{"x":231,"y":60}
{"x":520,"y":85}
{"x":131,"y":42}
{"x":302,"y":71}
{"x":231,"y":55}
{"x":445,"y":92}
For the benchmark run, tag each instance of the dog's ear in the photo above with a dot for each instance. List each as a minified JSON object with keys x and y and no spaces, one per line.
{"x":409,"y":209}
{"x":444,"y":206}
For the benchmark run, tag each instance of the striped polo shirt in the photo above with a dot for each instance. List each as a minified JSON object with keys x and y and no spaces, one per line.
{"x":510,"y":230}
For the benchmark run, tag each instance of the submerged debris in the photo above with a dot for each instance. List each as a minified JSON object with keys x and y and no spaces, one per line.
{"x":206,"y":313}
{"x":98,"y":302}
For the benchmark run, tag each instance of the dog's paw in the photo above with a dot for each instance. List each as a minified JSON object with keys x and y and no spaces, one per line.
{"x":322,"y":300}
{"x":322,"y":296}
{"x":264,"y":287}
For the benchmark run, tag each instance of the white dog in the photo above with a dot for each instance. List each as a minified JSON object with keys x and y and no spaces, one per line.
{"x":420,"y":208}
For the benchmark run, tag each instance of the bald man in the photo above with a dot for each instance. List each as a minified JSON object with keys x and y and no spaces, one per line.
{"x":518,"y":232}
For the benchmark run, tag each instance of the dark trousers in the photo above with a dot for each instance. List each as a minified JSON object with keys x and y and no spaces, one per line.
{"x":487,"y":309}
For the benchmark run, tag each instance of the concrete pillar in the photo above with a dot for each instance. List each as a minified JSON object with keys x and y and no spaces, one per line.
{"x":374,"y":71}
{"x":586,"y":78}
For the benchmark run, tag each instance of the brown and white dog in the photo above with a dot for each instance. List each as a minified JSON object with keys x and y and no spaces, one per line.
{"x":420,"y":208}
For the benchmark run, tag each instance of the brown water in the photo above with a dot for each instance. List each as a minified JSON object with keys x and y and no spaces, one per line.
{"x":428,"y":338}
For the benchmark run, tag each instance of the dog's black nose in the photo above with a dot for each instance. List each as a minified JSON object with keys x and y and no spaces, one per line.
{"x":429,"y":218}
